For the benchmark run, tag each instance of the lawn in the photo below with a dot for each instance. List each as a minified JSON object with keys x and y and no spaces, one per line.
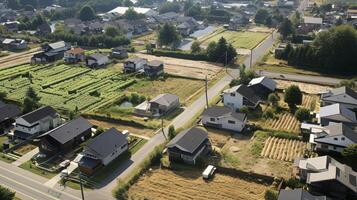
{"x":32,"y":168}
{"x":245,"y":40}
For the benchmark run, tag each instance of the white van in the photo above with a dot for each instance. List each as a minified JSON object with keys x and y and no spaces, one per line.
{"x":208,"y":172}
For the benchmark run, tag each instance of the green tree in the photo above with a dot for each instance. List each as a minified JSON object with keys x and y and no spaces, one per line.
{"x":268,"y":113}
{"x":2,"y":96}
{"x":286,"y":28}
{"x":31,"y":101}
{"x":169,"y":7}
{"x":148,"y":48}
{"x":168,"y":36}
{"x":128,"y":3}
{"x":86,"y":13}
{"x":302,"y":114}
{"x":347,"y":83}
{"x":350,"y":155}
{"x":31,"y":93}
{"x":271,"y":194}
{"x":131,"y":14}
{"x":172,"y":132}
{"x":6,"y":194}
{"x":111,"y":31}
{"x":261,"y":16}
{"x":273,"y":99}
{"x":293,"y":96}
{"x":195,"y":47}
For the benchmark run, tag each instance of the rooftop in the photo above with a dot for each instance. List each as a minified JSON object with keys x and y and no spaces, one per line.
{"x":188,"y":140}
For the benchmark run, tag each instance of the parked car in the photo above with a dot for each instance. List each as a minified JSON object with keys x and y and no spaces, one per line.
{"x":65,"y":164}
{"x":208,"y":172}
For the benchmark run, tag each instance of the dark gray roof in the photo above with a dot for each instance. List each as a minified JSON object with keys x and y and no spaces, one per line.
{"x":298,"y":194}
{"x":97,"y":56}
{"x":155,"y":63}
{"x":341,"y":90}
{"x":107,"y":142}
{"x":189,"y":140}
{"x":220,"y":111}
{"x":39,"y":114}
{"x":165,"y":99}
{"x":136,"y":60}
{"x":70,"y":130}
{"x":341,"y":129}
{"x":248,"y":93}
{"x":8,"y":111}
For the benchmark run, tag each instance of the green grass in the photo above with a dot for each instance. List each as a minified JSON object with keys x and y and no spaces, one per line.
{"x":32,"y":168}
{"x":135,"y":148}
{"x":246,"y":40}
{"x":6,"y":159}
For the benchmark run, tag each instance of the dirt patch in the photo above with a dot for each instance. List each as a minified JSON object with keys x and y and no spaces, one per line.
{"x":120,"y":127}
{"x":305,"y":87}
{"x":17,"y":58}
{"x":217,"y":137}
{"x":188,"y":185}
{"x":186,"y":68}
{"x":260,"y":29}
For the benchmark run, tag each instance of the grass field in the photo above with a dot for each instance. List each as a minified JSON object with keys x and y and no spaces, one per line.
{"x":245,"y":40}
{"x":283,"y":149}
{"x":188,"y":184}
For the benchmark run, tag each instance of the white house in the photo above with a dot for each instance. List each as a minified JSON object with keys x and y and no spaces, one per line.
{"x":96,"y":60}
{"x":239,"y":96}
{"x":342,"y":95}
{"x":334,"y":137}
{"x":224,"y":118}
{"x":35,"y":122}
{"x":121,"y":11}
{"x":336,"y":113}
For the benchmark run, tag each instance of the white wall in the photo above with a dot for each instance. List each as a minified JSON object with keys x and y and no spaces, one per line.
{"x":115,"y":154}
{"x":235,"y":102}
{"x":238,"y":126}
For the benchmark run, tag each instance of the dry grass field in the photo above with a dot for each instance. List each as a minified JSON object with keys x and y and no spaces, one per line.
{"x":304,"y":87}
{"x":17,"y":58}
{"x":311,"y":102}
{"x":284,"y":122}
{"x":283,"y":149}
{"x":162,"y":184}
{"x":185,"y":68}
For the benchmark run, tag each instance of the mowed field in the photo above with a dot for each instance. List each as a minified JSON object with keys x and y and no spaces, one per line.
{"x":283,"y":149}
{"x":185,"y":68}
{"x":64,"y":87}
{"x":162,"y":184}
{"x":245,"y":40}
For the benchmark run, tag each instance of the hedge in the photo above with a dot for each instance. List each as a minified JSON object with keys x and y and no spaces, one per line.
{"x":180,"y":54}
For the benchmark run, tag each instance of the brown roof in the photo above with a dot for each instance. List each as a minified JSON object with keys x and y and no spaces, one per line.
{"x":76,"y":51}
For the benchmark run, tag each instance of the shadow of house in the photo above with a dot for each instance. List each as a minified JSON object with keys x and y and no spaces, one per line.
{"x":8,"y":113}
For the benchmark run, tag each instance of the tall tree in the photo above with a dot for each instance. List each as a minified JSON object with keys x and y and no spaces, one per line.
{"x":111,"y":31}
{"x":168,"y":36}
{"x":86,"y":13}
{"x":286,"y":28}
{"x":31,"y":101}
{"x":195,"y":47}
{"x":293,"y":96}
{"x":261,"y":16}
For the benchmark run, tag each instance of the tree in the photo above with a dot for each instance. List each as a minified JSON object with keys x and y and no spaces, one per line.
{"x":148,"y":48}
{"x":131,"y":14}
{"x":169,"y":7}
{"x":273,"y":99}
{"x":302,"y":114}
{"x":268,"y":113}
{"x":128,"y":3}
{"x":2,"y":96}
{"x":172,"y":132}
{"x":86,"y":13}
{"x":350,"y":154}
{"x":293,"y":96}
{"x":31,"y":93}
{"x":271,"y":194}
{"x":111,"y":31}
{"x":261,"y":16}
{"x":6,"y":194}
{"x":31,"y":101}
{"x":195,"y":47}
{"x":347,"y":83}
{"x":168,"y":36}
{"x":286,"y":28}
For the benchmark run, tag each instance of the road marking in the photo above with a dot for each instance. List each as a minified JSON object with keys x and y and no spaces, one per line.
{"x":58,"y":191}
{"x":28,"y":187}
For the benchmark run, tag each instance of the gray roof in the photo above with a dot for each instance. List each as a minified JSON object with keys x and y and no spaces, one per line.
{"x":8,"y":111}
{"x":57,"y":45}
{"x":97,"y":56}
{"x":298,"y":194}
{"x":165,"y":99}
{"x":247,"y":92}
{"x":155,"y":63}
{"x":70,"y":130}
{"x":136,"y":60}
{"x":341,"y":91}
{"x":221,"y":111}
{"x":39,"y":114}
{"x":189,"y":140}
{"x":337,"y":109}
{"x":107,"y":142}
{"x":341,"y":129}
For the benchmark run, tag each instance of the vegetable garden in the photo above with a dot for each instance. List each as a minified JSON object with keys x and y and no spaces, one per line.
{"x":283,"y":149}
{"x":65,"y":87}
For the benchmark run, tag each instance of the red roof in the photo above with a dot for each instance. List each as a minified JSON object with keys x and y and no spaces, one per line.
{"x":76,"y":51}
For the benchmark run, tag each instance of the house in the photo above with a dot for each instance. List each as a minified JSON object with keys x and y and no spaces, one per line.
{"x":96,"y":60}
{"x":51,"y":52}
{"x":119,"y":52}
{"x":102,"y":150}
{"x":43,"y":29}
{"x":14,"y":44}
{"x":11,"y":26}
{"x":163,"y":104}
{"x":262,"y":86}
{"x":121,"y":11}
{"x":154,"y":68}
{"x":299,"y":194}
{"x":36,"y":122}
{"x":309,"y":25}
{"x":131,"y":27}
{"x":134,"y":64}
{"x":66,"y":137}
{"x":223,"y":117}
{"x":8,"y":113}
{"x":188,"y":145}
{"x":336,"y":113}
{"x":342,"y":95}
{"x":326,"y":175}
{"x":74,"y":55}
{"x":240,"y":96}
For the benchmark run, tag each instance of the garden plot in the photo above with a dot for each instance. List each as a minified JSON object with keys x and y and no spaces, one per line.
{"x":311,"y":102}
{"x":285,"y":122}
{"x":283,"y":149}
{"x":64,"y":87}
{"x":188,"y":184}
{"x":186,"y":68}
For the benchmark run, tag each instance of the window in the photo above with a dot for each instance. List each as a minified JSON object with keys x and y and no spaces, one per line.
{"x":213,"y":119}
{"x":343,"y":138}
{"x":352,"y":180}
{"x":335,"y":139}
{"x":334,"y":147}
{"x":231,"y":122}
{"x":233,"y":94}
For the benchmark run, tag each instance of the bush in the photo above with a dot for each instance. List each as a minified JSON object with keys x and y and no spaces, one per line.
{"x":293,"y":96}
{"x":271,"y":194}
{"x":293,"y":183}
{"x":303,"y":114}
{"x":172,"y":132}
{"x":273,"y":99}
{"x":6,"y":194}
{"x":268,"y":113}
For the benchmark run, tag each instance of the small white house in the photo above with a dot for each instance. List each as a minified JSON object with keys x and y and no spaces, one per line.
{"x":223,"y":117}
{"x":96,"y":60}
{"x":239,"y":96}
{"x":35,"y":122}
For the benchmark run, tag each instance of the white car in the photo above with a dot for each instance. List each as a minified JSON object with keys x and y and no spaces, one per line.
{"x":209,"y":171}
{"x":65,"y":164}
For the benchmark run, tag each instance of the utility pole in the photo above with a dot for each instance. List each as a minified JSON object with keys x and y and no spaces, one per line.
{"x":162,"y":128}
{"x":251,"y":58}
{"x":80,"y":182}
{"x":206,"y":88}
{"x":226,"y":61}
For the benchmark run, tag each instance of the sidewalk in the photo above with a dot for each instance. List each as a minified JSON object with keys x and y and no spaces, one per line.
{"x":53,"y":181}
{"x":26,"y":157}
